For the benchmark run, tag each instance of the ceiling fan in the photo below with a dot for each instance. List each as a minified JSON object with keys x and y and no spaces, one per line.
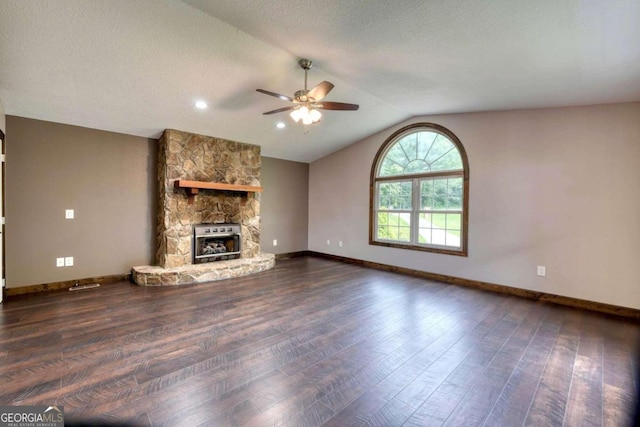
{"x":308,"y":103}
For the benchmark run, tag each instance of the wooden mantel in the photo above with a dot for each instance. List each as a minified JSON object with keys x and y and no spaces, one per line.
{"x":193,"y":187}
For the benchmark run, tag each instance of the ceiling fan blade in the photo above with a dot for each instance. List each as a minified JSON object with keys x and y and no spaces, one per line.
{"x":337,"y":106}
{"x":320,"y":90}
{"x":280,"y":110}
{"x":277,"y":95}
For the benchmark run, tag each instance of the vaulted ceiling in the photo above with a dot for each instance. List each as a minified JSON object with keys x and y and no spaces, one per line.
{"x":138,"y":66}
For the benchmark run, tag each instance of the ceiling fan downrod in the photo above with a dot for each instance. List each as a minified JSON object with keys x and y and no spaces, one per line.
{"x":306,"y":65}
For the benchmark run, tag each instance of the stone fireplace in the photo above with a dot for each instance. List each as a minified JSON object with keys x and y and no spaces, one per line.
{"x":204,"y":180}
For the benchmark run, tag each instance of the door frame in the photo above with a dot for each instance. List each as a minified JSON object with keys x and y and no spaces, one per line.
{"x":2,"y":217}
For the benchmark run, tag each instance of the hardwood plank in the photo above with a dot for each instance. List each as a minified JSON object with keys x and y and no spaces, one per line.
{"x":550,"y":401}
{"x":316,"y":342}
{"x":479,"y":401}
{"x":584,"y":406}
{"x":456,"y":376}
{"x":493,"y":287}
{"x":620,"y":373}
{"x":514,"y":400}
{"x":351,"y":410}
{"x":393,"y":413}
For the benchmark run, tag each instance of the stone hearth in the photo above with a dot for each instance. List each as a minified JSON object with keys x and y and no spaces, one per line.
{"x":186,"y":156}
{"x":199,"y":273}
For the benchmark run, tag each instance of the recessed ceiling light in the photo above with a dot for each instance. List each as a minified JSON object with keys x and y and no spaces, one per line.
{"x":201,"y":105}
{"x":280,"y":125}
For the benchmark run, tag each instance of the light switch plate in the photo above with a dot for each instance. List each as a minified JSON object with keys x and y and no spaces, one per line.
{"x":69,"y":214}
{"x":68,"y":261}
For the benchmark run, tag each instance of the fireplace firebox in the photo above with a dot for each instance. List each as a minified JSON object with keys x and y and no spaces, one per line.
{"x":215,"y":242}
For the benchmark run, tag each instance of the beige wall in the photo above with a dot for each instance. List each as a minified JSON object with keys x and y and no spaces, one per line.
{"x":284,"y":205}
{"x":107,"y":178}
{"x":554,"y":187}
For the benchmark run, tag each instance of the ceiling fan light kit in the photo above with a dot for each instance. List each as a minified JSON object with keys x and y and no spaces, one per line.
{"x":307,"y":105}
{"x":307,"y":115}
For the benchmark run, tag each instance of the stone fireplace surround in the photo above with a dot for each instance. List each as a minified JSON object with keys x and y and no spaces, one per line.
{"x":186,"y":156}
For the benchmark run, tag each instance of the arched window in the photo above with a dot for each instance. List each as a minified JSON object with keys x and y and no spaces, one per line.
{"x":420,"y":191}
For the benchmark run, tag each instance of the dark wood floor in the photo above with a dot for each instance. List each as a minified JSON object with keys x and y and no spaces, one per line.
{"x":313,"y":342}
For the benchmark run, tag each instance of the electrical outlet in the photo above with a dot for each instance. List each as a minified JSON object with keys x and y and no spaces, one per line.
{"x":69,"y":214}
{"x":275,"y":242}
{"x":59,"y":262}
{"x":340,"y":243}
{"x":542,"y":270}
{"x":68,"y":261}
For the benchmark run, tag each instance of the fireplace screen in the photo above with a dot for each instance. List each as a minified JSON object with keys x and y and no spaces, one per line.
{"x":214,"y":242}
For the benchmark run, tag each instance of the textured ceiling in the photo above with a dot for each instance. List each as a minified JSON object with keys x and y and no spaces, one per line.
{"x":137,"y":66}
